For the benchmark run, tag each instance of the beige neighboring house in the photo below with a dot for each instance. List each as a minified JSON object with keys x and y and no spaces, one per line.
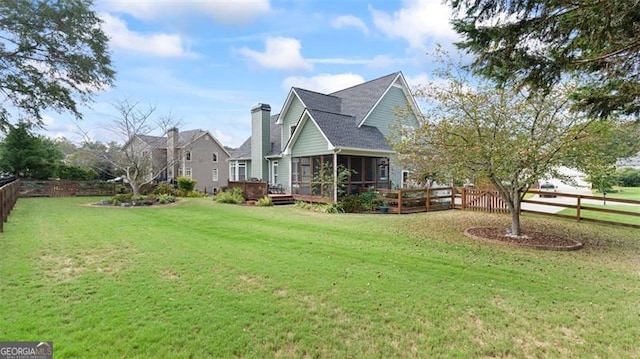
{"x":195,"y":154}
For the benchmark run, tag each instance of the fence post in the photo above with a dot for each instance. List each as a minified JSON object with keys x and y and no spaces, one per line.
{"x":399,"y":201}
{"x":464,"y":198}
{"x":428,"y":191}
{"x":578,"y":208}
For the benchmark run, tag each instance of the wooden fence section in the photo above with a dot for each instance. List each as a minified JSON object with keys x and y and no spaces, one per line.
{"x":586,"y":205}
{"x":480,"y":200}
{"x":64,"y":188}
{"x":9,"y":194}
{"x":404,"y":201}
{"x":253,"y":190}
{"x":488,"y":200}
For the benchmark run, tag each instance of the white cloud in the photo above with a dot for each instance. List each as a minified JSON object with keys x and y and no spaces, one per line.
{"x":280,"y":53}
{"x":229,"y":12}
{"x":323,"y":83}
{"x":417,"y":80}
{"x":350,"y":21}
{"x":162,"y":45}
{"x":417,"y":22}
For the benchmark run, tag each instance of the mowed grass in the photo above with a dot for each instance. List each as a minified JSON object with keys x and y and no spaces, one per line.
{"x":206,"y":280}
{"x":632,"y":193}
{"x":604,"y":216}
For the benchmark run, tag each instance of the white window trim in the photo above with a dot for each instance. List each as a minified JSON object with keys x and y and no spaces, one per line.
{"x":215,"y":160}
{"x":215,"y":176}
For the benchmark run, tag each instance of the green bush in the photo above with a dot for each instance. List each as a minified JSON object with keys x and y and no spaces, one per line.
{"x":233,"y":195}
{"x":166,"y":198}
{"x":75,"y":173}
{"x":186,"y":185}
{"x":628,"y":177}
{"x":352,"y":204}
{"x":320,"y":207}
{"x":264,"y":202}
{"x":165,"y":188}
{"x":122,"y":198}
{"x":369,"y":200}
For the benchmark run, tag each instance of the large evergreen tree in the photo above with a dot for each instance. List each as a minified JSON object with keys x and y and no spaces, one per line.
{"x":53,"y":55}
{"x":539,"y":42}
{"x":26,"y":155}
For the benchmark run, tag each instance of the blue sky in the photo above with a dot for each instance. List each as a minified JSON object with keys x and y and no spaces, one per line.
{"x":209,"y":62}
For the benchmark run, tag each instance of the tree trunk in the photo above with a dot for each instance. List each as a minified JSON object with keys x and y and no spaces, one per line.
{"x":516,"y":230}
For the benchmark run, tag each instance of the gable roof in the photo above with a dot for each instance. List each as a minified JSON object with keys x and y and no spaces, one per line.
{"x":359,"y":100}
{"x":340,"y":115}
{"x":185,"y":138}
{"x":341,"y":131}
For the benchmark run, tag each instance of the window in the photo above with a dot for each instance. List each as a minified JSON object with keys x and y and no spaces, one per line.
{"x":187,"y":156}
{"x":187,"y":172}
{"x":215,"y":157}
{"x":232,"y":171}
{"x":145,"y":153}
{"x":215,"y":175}
{"x":292,"y":130}
{"x":274,"y":172}
{"x":242,"y":171}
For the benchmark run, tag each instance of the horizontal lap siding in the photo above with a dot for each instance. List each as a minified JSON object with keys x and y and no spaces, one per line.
{"x":291,"y":118}
{"x":383,"y":117}
{"x":310,"y":142}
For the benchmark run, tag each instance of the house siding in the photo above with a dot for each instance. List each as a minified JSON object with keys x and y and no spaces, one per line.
{"x":202,"y":164}
{"x":291,"y":118}
{"x":385,"y":114}
{"x":310,"y":142}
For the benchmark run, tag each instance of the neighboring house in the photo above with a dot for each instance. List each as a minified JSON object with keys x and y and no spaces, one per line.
{"x":316,"y":134}
{"x":629,"y":162}
{"x":195,"y":154}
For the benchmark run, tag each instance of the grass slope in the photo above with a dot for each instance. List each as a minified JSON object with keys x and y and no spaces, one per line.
{"x":200,"y":280}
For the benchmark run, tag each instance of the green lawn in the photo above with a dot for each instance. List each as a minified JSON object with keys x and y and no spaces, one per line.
{"x":613,"y":217}
{"x":205,"y":280}
{"x":632,"y":193}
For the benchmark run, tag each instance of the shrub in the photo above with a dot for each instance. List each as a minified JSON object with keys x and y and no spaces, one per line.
{"x":352,"y":204}
{"x":369,"y":200}
{"x":186,"y":185}
{"x":233,"y":195}
{"x":166,"y":198}
{"x":122,"y":198}
{"x":165,"y":188}
{"x":320,"y":207}
{"x":628,"y":177}
{"x":264,"y":202}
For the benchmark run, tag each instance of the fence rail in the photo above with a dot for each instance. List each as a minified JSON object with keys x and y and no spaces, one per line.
{"x":9,"y":193}
{"x":404,"y":201}
{"x":66,"y":188}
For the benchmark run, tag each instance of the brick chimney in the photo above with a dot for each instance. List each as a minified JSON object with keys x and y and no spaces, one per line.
{"x":260,"y":140}
{"x":172,"y":153}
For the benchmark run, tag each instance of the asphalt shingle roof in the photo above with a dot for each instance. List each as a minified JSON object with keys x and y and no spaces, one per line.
{"x":338,"y":115}
{"x":342,"y":132}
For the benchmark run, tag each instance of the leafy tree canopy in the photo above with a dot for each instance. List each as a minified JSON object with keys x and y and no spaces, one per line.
{"x":26,"y":155}
{"x":53,"y":55}
{"x":537,"y":42}
{"x":471,"y":130}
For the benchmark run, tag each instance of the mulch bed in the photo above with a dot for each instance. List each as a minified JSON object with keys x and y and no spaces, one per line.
{"x":530,"y":239}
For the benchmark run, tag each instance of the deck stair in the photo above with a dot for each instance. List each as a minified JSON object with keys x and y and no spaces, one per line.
{"x":281,"y":199}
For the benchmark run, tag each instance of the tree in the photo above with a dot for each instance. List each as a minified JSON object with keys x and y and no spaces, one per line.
{"x":26,"y":155}
{"x":471,"y":129}
{"x":138,"y":161}
{"x":538,"y":43}
{"x":53,"y":55}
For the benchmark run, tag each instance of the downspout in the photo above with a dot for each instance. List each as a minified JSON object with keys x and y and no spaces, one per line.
{"x":335,"y":175}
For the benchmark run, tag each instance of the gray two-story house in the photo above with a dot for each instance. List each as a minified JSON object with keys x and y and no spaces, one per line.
{"x":195,"y":154}
{"x":315,"y":136}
